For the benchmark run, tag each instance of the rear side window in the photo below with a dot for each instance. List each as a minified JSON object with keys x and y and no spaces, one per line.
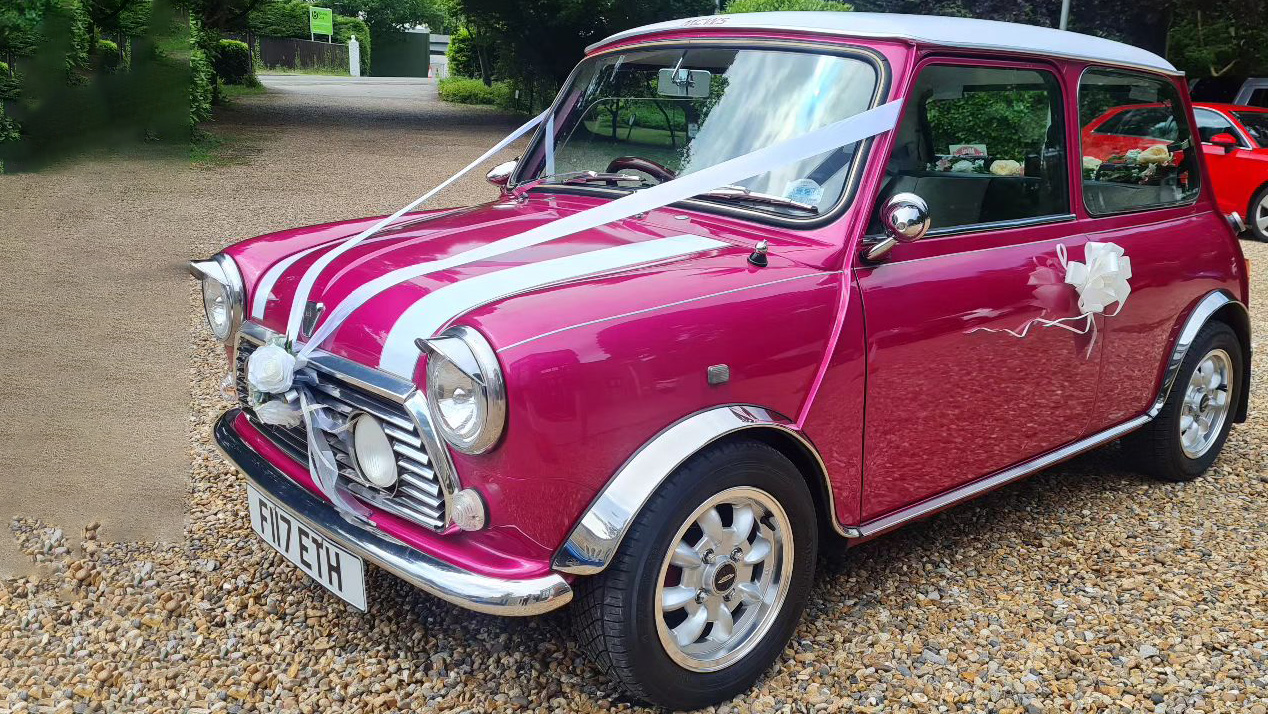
{"x":980,"y":145}
{"x":1258,"y":98}
{"x":1138,"y":149}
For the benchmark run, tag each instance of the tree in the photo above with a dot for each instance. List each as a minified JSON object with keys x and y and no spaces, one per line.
{"x":543,"y":39}
{"x":1230,"y":38}
{"x":395,"y":14}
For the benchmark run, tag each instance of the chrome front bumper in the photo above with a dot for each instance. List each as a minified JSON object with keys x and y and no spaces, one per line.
{"x":481,"y":593}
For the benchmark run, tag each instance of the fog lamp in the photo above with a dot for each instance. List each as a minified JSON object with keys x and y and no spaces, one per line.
{"x":372,"y":451}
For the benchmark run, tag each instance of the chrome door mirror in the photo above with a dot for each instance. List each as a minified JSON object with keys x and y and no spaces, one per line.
{"x":906,"y":220}
{"x":500,"y":175}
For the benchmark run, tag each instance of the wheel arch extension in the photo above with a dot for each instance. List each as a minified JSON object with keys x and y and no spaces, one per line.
{"x":1215,"y":306}
{"x":595,"y":537}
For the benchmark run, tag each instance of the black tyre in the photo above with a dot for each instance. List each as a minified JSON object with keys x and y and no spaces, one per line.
{"x":710,"y":581}
{"x":1183,"y":441}
{"x":1257,"y":215}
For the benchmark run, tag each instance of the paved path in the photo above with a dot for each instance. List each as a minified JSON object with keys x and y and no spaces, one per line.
{"x":95,"y":346}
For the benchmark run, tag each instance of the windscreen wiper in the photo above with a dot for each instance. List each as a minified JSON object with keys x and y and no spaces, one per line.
{"x":574,"y":177}
{"x":739,"y":193}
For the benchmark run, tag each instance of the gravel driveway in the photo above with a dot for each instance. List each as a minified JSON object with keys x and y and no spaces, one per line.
{"x":1086,"y":588}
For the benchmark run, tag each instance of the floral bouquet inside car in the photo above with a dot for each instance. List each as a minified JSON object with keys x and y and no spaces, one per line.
{"x":1140,"y":166}
{"x":976,"y":165}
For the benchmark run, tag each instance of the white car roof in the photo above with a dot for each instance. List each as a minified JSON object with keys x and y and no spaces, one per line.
{"x":926,"y":29}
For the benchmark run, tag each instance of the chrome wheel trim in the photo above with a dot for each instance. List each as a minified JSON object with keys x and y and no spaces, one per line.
{"x":724,"y":579}
{"x":1206,"y":402}
{"x":1261,"y":215}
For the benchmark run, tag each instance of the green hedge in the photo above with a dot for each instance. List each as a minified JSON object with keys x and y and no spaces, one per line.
{"x":233,"y":63}
{"x":463,"y":90}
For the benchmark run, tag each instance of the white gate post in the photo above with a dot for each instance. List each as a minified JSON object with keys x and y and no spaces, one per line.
{"x":354,"y":57}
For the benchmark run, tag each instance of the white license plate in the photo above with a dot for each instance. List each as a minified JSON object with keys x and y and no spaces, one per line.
{"x":339,"y":571}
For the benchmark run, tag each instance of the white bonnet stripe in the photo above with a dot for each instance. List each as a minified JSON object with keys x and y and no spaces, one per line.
{"x":433,"y":311}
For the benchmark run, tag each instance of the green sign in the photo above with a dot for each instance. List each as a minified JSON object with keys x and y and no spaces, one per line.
{"x":321,"y":21}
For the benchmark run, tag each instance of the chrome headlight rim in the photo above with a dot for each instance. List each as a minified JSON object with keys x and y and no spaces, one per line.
{"x":221,"y":269}
{"x":468,"y":351}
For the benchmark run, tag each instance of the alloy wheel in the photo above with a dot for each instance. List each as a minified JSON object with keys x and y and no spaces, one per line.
{"x":1206,"y":404}
{"x":724,"y":579}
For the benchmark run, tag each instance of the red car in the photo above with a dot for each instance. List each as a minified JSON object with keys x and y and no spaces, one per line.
{"x":1234,"y":140}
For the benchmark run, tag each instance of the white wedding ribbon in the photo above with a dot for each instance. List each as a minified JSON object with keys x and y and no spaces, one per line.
{"x":310,"y":275}
{"x":847,"y":131}
{"x":434,"y":310}
{"x":1100,"y":281}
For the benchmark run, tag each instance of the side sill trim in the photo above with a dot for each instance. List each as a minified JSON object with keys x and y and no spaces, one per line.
{"x":596,"y":536}
{"x":482,"y":593}
{"x":976,"y":488}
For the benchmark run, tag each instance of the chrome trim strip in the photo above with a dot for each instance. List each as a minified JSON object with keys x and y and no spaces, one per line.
{"x":482,"y":593}
{"x":1198,"y":317}
{"x":599,"y":532}
{"x":976,"y":488}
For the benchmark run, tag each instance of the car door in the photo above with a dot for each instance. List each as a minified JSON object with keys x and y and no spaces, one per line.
{"x":961,"y":380}
{"x":1222,"y":164}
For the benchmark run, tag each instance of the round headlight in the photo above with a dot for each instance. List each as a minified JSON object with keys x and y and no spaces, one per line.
{"x":372,"y":451}
{"x":223,"y":293}
{"x":218,"y":303}
{"x":465,"y":393}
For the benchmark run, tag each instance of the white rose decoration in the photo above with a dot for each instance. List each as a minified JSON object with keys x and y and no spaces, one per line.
{"x":1091,"y":163}
{"x":1133,"y":155}
{"x":1156,"y":154}
{"x":1006,"y":167}
{"x":962,"y":167}
{"x":279,"y":413}
{"x":271,"y":369}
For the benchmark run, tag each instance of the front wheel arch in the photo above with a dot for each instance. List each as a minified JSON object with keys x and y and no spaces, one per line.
{"x":598,"y":532}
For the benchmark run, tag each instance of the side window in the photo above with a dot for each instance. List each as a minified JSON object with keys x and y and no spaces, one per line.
{"x":1138,"y":150}
{"x":1211,"y":123}
{"x":980,"y":145}
{"x":1258,"y":98}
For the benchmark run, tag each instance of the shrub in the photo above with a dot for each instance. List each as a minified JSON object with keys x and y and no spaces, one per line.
{"x":464,"y":90}
{"x":778,"y":5}
{"x":107,"y":55}
{"x":4,"y":69}
{"x":233,"y":63}
{"x":201,"y":81}
{"x":462,"y":55}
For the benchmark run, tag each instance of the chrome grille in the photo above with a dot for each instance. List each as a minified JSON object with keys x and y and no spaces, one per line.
{"x":419,"y":494}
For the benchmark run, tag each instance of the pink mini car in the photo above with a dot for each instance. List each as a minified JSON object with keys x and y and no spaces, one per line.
{"x":667,"y":417}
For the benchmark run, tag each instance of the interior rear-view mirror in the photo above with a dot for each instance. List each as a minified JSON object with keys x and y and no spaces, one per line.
{"x":684,"y":83}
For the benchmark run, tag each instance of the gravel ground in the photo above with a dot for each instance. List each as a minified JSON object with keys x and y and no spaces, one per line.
{"x":1086,"y":588}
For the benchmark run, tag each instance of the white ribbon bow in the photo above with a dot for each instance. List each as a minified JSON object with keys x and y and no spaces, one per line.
{"x":1100,"y":281}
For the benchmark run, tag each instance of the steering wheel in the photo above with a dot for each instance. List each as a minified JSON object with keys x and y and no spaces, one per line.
{"x":647,"y":166}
